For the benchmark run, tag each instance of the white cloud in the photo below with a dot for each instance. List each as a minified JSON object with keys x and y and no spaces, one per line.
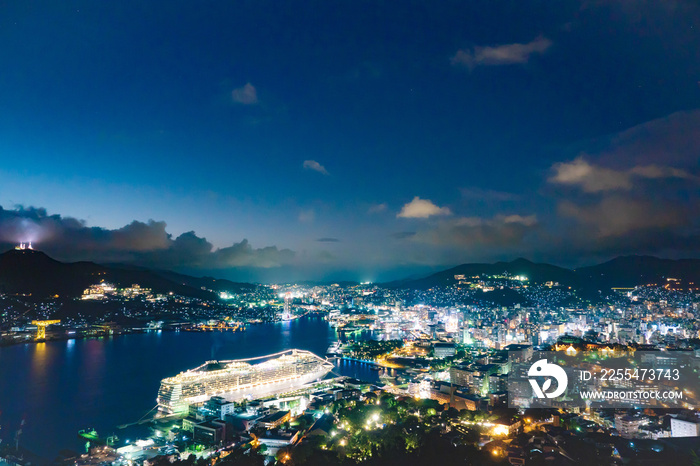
{"x":656,"y":171}
{"x":422,"y":208}
{"x":246,"y":95}
{"x":595,"y":178}
{"x":591,"y":178}
{"x":507,"y":54}
{"x":527,"y":220}
{"x":315,"y":166}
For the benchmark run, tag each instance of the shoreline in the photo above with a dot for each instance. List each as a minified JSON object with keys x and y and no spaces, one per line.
{"x":5,"y":342}
{"x":121,"y":332}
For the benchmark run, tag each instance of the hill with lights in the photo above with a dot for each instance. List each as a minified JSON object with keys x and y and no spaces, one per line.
{"x":27,"y":271}
{"x":621,"y":272}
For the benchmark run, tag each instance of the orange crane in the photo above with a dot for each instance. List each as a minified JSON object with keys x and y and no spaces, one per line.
{"x":41,"y":327}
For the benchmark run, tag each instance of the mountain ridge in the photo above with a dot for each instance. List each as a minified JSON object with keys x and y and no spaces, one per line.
{"x":622,"y":271}
{"x":34,"y":272}
{"x":30,"y":271}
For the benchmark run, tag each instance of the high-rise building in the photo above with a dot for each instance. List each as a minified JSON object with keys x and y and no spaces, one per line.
{"x":685,"y":427}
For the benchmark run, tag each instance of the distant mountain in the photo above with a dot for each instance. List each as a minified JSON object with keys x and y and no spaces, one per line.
{"x":623,"y":272}
{"x":209,"y":283}
{"x":343,"y":283}
{"x":536,"y":273}
{"x":630,"y":271}
{"x":33,"y":272}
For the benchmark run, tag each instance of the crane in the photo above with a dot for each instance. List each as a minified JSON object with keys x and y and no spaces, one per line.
{"x":41,"y":327}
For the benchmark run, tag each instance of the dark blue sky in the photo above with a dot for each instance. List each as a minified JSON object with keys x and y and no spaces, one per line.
{"x":362,"y":140}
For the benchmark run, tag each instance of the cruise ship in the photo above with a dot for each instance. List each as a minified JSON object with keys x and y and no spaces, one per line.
{"x":241,"y":379}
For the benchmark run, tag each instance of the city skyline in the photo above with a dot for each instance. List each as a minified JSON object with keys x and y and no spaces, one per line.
{"x":349,"y":233}
{"x":364,"y":142}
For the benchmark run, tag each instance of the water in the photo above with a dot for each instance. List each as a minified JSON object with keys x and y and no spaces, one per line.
{"x":60,"y":387}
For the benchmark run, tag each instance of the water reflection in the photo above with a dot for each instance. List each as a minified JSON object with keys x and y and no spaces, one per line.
{"x":39,"y":359}
{"x":62,"y":387}
{"x":94,"y":355}
{"x":286,"y":334}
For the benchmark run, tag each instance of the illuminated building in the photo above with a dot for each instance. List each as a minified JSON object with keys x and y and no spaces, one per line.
{"x":287,"y":315}
{"x":210,"y":432}
{"x":134,"y":291}
{"x":239,"y":379}
{"x":444,"y":350}
{"x":685,"y":427}
{"x":628,"y":426}
{"x":452,"y":324}
{"x":461,"y":375}
{"x":99,"y":291}
{"x":275,"y":419}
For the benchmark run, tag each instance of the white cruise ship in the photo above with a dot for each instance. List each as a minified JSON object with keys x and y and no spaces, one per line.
{"x":241,"y":379}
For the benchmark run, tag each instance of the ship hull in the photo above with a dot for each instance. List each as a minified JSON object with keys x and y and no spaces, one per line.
{"x":176,"y":395}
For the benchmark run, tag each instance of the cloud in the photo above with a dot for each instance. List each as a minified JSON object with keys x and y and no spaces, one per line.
{"x":244,"y":255}
{"x":672,"y":139}
{"x":422,"y":208}
{"x":619,"y":224}
{"x":507,"y":54}
{"x":315,"y":166}
{"x":377,"y":208}
{"x":595,"y":178}
{"x":590,"y":178}
{"x":501,"y":232}
{"x":328,"y":240}
{"x":246,"y":95}
{"x":636,"y":192}
{"x":655,"y":171}
{"x":140,"y":243}
{"x":620,"y":216}
{"x":527,"y":220}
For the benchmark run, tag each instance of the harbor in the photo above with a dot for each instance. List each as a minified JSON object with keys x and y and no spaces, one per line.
{"x":98,"y":378}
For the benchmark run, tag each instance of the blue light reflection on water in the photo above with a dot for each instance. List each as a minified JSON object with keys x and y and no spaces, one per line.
{"x":61,"y":387}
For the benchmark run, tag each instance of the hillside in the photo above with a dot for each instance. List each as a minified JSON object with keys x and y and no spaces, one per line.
{"x":33,"y":272}
{"x":209,"y":283}
{"x":630,"y":271}
{"x":536,"y":273}
{"x":626,"y":271}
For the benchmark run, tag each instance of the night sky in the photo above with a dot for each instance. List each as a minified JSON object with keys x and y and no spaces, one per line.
{"x":276,"y":141}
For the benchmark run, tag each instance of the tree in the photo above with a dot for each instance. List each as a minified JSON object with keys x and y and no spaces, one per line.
{"x":451,"y":413}
{"x":387,"y":399}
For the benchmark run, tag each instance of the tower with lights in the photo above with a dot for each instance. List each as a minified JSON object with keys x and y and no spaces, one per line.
{"x":287,"y":314}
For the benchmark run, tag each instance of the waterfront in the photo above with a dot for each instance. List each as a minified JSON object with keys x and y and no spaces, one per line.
{"x":61,"y":387}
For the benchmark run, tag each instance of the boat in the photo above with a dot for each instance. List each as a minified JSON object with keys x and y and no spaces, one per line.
{"x":92,"y":436}
{"x":241,"y":379}
{"x":334,"y":349}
